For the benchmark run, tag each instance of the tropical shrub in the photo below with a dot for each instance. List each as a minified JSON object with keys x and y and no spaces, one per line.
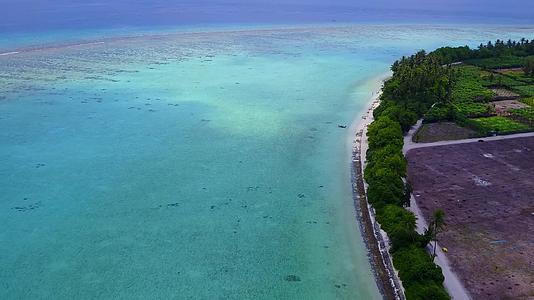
{"x":524,"y":90}
{"x":526,"y":114}
{"x":440,"y":112}
{"x":474,"y":109}
{"x":422,"y":279}
{"x":416,"y":265}
{"x":528,"y":67}
{"x":528,"y":101}
{"x":392,"y":215}
{"x":509,"y":61}
{"x":497,"y":124}
{"x":425,"y":290}
{"x":469,"y":86}
{"x":404,"y":117}
{"x":383,"y":132}
{"x":385,"y":187}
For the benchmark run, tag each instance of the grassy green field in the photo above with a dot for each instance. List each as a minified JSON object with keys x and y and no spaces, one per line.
{"x":524,"y":90}
{"x":472,"y":91}
{"x":519,"y":76}
{"x":529,"y":101}
{"x":526,"y":114}
{"x":497,"y":124}
{"x":470,"y":85}
{"x":509,"y":61}
{"x":474,"y":109}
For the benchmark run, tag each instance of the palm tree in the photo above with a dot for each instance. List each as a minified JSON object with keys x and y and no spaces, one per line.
{"x":436,"y":226}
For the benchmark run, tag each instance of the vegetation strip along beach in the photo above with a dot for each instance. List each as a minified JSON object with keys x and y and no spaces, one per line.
{"x":436,"y":87}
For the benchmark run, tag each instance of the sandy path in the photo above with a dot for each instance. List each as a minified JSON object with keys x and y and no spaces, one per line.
{"x":409,"y":144}
{"x":452,"y":283}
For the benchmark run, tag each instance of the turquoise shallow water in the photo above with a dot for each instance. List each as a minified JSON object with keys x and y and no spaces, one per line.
{"x":204,"y":165}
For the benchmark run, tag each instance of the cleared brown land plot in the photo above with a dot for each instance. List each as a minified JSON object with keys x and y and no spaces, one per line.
{"x":442,"y":131}
{"x":504,"y":106}
{"x":487,"y":192}
{"x":503,"y":94}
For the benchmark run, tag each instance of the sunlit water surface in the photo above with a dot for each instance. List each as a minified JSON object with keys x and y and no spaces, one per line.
{"x":201,"y":166}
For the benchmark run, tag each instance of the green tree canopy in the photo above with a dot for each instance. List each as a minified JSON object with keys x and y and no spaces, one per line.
{"x":529,"y":66}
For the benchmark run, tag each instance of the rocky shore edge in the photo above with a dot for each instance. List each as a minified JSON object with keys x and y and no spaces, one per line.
{"x":375,"y":239}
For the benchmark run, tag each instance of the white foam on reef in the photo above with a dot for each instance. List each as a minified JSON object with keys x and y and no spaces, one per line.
{"x":85,"y":44}
{"x":9,"y":53}
{"x":52,"y":47}
{"x":92,"y":43}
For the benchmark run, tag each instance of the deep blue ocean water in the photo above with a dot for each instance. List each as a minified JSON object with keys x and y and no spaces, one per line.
{"x":40,"y":15}
{"x":37,"y":22}
{"x":191,"y":150}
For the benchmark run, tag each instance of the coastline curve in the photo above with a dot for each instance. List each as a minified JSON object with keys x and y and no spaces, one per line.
{"x":374,"y":238}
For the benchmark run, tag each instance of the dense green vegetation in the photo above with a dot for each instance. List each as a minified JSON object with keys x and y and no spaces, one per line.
{"x":497,"y":124}
{"x":508,"y":61}
{"x":526,"y":114}
{"x":418,"y":82}
{"x":470,"y":86}
{"x":500,"y":54}
{"x":529,"y":101}
{"x":429,"y":85}
{"x":528,"y":67}
{"x":497,"y":62}
{"x":440,"y":112}
{"x":505,"y":80}
{"x":520,"y":78}
{"x":524,"y":90}
{"x":415,"y":266}
{"x":472,"y":109}
{"x":474,"y":80}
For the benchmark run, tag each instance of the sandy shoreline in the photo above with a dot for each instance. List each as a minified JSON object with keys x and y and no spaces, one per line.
{"x":374,"y":238}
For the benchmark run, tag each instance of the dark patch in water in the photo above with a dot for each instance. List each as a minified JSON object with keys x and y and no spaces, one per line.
{"x":292,"y":278}
{"x":176,"y":204}
{"x":27,"y":207}
{"x":252,"y":188}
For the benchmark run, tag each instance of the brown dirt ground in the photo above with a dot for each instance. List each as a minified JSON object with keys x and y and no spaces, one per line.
{"x":442,"y":131}
{"x":502,"y":107}
{"x":487,"y":192}
{"x":504,"y":94}
{"x":509,"y":70}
